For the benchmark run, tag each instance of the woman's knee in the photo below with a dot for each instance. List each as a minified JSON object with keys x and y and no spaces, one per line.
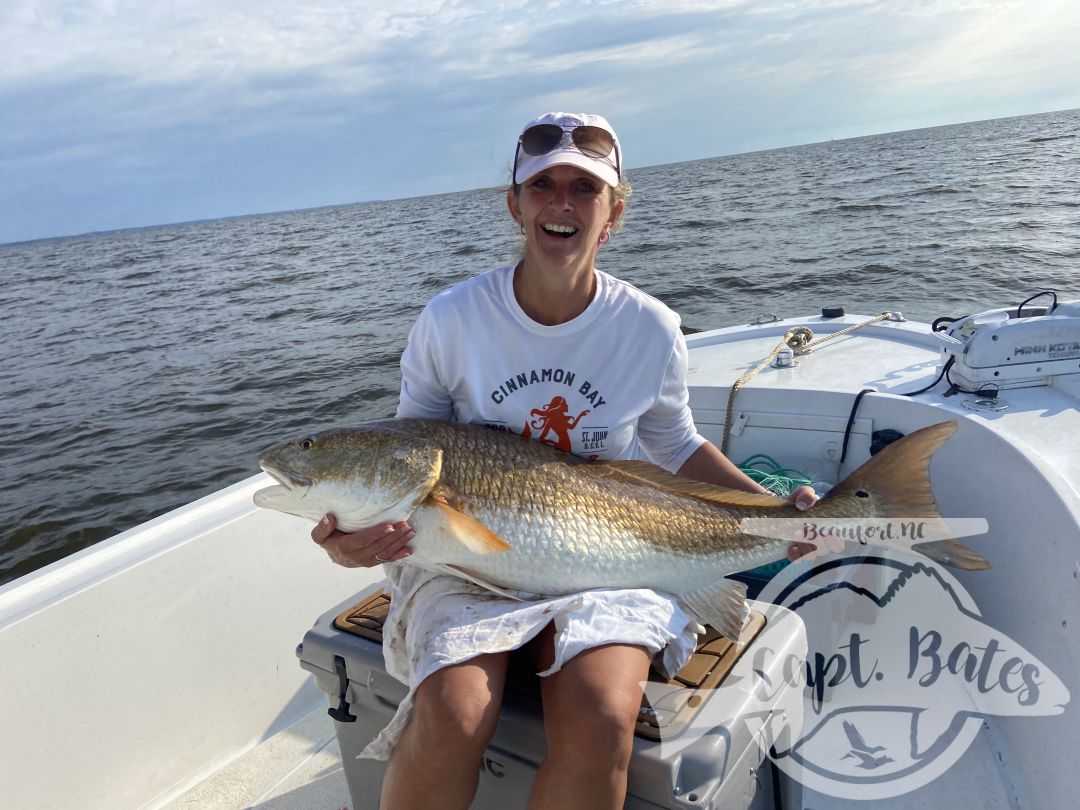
{"x":458,"y":708}
{"x":591,"y":707}
{"x":600,"y":734}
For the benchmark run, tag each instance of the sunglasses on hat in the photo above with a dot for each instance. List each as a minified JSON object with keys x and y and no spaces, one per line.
{"x":595,"y":142}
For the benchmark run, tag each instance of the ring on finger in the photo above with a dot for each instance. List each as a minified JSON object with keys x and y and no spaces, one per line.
{"x":380,"y":559}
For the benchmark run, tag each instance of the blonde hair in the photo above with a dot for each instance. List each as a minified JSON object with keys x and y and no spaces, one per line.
{"x":620,"y":194}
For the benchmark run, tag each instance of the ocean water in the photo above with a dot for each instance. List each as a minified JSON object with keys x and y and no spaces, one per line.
{"x":145,"y":368}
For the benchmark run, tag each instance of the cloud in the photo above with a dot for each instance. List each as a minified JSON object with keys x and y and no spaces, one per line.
{"x":346,"y":95}
{"x":155,"y":64}
{"x":200,"y":40}
{"x":1006,"y":43}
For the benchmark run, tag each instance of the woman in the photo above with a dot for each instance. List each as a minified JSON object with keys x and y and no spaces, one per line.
{"x":553,"y":349}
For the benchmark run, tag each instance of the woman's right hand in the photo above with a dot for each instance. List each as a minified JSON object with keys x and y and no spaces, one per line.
{"x":384,"y":542}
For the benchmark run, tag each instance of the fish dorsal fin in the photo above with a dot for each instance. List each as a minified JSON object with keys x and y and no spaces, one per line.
{"x":466,"y":529}
{"x":644,"y":472}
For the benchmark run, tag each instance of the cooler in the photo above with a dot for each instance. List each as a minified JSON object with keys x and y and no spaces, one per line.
{"x":698,"y":765}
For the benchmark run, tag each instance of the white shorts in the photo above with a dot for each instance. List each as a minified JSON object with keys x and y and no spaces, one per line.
{"x":436,"y":621}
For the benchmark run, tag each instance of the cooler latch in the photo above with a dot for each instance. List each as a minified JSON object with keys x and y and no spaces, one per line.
{"x":342,"y":713}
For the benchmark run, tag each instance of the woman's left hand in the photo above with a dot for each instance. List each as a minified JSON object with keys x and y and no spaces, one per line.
{"x":804,"y":497}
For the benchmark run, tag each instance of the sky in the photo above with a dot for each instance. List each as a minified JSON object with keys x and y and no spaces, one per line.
{"x":123,"y":113}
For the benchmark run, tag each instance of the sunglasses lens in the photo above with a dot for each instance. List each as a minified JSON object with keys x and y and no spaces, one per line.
{"x":594,"y":141}
{"x":541,"y":139}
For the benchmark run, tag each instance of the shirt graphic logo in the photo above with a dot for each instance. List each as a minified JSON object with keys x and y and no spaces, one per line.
{"x":553,"y":418}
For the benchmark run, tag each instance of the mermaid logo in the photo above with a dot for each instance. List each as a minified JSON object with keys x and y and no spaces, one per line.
{"x":553,"y":418}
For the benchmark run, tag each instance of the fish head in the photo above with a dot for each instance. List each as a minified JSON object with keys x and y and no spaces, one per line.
{"x":363,"y":476}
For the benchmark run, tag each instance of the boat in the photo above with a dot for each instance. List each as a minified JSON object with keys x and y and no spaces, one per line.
{"x":196,"y":661}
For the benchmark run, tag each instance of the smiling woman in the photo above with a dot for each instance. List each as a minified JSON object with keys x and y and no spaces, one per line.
{"x":567,"y":194}
{"x":527,"y":348}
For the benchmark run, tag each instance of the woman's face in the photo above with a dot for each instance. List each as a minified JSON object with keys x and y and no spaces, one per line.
{"x":563,"y":210}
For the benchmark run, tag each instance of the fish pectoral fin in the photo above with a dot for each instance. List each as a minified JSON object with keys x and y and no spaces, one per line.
{"x":454,"y":570}
{"x":466,"y":529}
{"x":721,"y":604}
{"x":648,"y":473}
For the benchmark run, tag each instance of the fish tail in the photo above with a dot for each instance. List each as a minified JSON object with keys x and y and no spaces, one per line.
{"x":899,"y":475}
{"x":899,"y":479}
{"x":953,"y":553}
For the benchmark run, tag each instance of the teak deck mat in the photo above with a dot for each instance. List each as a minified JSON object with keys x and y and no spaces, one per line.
{"x":671,"y":710}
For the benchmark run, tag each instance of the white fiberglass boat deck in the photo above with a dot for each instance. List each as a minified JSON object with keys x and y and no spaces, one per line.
{"x":158,"y":669}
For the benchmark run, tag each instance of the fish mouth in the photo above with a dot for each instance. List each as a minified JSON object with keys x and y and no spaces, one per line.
{"x":288,"y":482}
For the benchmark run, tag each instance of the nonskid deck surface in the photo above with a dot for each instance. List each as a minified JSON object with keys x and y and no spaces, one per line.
{"x":300,"y":769}
{"x":296,"y":769}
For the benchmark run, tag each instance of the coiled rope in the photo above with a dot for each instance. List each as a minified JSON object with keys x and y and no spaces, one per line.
{"x":800,"y":340}
{"x":809,"y":347}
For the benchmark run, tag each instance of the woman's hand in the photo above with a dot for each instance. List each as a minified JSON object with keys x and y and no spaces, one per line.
{"x":804,"y":497}
{"x":384,"y":542}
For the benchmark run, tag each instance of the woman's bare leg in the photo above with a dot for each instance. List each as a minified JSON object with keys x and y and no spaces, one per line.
{"x":590,"y":708}
{"x":436,"y":763}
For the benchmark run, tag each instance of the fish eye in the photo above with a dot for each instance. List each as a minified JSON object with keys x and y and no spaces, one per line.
{"x":862,"y":493}
{"x":308,"y":443}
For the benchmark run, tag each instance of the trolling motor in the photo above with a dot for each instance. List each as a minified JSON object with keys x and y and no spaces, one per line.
{"x":1016,"y":347}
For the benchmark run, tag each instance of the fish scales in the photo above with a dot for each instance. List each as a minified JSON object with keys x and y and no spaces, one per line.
{"x":535,"y":479}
